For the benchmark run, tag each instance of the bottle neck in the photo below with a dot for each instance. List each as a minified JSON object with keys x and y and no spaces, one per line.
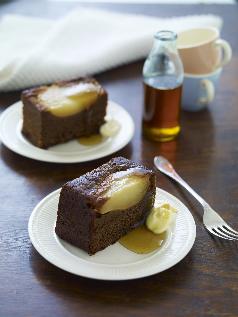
{"x":163,"y":66}
{"x":164,"y":41}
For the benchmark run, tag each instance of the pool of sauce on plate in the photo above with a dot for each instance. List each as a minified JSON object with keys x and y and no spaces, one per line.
{"x":91,"y":140}
{"x":142,"y":241}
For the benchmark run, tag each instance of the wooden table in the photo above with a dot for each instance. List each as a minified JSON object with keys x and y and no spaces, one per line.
{"x":205,"y":283}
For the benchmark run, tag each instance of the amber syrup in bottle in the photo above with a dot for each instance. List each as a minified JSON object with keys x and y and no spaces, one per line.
{"x":163,"y":78}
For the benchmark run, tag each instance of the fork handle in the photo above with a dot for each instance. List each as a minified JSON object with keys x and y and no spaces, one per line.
{"x":163,"y":165}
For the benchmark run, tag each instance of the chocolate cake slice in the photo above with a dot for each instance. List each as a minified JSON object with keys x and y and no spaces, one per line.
{"x":98,"y":208}
{"x":63,"y":111}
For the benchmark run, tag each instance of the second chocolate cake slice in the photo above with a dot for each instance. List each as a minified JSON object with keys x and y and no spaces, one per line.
{"x":63,"y":111}
{"x":98,"y":208}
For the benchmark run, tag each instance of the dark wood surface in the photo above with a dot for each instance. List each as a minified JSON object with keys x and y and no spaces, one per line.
{"x":205,"y":283}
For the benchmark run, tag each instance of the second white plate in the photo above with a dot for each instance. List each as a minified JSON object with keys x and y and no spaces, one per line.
{"x":115,"y":262}
{"x":69,"y":152}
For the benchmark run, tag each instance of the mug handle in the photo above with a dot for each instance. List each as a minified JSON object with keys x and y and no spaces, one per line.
{"x":209,"y":89}
{"x":227,"y":51}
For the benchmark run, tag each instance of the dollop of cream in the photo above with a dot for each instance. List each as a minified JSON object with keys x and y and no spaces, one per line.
{"x":110,"y":128}
{"x":160,"y":218}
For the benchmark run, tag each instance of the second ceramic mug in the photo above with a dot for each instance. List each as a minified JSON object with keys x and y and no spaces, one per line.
{"x":199,"y":90}
{"x":202,"y":51}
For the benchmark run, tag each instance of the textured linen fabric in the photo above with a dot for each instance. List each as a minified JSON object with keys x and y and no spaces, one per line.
{"x":36,"y":51}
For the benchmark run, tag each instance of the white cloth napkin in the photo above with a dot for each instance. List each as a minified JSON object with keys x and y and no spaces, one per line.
{"x":36,"y":51}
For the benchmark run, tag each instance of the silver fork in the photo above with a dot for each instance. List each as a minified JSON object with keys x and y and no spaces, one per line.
{"x":211,"y":220}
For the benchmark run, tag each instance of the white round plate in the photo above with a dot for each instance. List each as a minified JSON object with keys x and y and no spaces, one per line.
{"x":69,"y":152}
{"x":115,"y":262}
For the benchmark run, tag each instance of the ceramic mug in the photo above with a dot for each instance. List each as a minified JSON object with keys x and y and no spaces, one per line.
{"x":202,"y":51}
{"x":199,"y":90}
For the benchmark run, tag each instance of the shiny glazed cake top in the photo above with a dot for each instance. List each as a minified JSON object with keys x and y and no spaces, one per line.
{"x":116,"y":185}
{"x":64,"y":101}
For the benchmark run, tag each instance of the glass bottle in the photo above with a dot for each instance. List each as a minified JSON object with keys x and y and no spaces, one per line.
{"x":163,"y":78}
